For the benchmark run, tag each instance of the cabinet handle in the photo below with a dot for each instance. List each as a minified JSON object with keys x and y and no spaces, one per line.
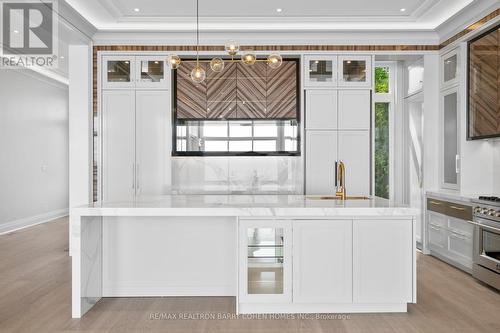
{"x":137,"y":177}
{"x":457,"y":159}
{"x":457,"y":236}
{"x":335,"y":173}
{"x":434,"y":227}
{"x":436,"y":203}
{"x":457,"y":208}
{"x":133,"y":175}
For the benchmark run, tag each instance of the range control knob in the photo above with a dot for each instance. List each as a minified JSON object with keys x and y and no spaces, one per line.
{"x":491,"y":212}
{"x":477,"y":210}
{"x":484,"y":211}
{"x":497,"y":213}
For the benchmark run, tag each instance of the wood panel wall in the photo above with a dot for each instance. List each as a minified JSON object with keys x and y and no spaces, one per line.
{"x":239,"y":92}
{"x":484,"y":85}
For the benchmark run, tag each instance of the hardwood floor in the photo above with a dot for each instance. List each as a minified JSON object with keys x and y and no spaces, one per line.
{"x":35,"y":291}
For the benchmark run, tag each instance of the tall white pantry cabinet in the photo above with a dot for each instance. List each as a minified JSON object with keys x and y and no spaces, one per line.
{"x":136,"y":127}
{"x":338,"y":123}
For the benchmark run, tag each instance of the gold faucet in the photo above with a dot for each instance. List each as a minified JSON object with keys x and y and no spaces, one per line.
{"x":340,"y":177}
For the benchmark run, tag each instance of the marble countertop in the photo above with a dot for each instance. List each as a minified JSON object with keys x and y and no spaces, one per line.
{"x":244,"y":206}
{"x":452,"y":195}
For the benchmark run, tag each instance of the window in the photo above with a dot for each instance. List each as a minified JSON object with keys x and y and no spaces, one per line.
{"x":383,"y":108}
{"x":211,"y":137}
{"x":243,"y":110}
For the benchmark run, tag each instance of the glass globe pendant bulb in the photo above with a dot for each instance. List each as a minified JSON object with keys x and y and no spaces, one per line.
{"x":174,"y":61}
{"x":232,"y":47}
{"x":198,"y":74}
{"x":248,"y":58}
{"x":274,"y":61}
{"x":217,"y":64}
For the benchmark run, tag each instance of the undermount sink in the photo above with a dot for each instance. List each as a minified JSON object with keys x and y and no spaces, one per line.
{"x":333,"y":197}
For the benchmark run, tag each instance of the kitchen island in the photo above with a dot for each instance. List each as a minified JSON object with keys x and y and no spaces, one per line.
{"x":274,"y":253}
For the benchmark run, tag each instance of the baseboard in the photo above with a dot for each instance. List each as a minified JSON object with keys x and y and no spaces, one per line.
{"x":26,"y":222}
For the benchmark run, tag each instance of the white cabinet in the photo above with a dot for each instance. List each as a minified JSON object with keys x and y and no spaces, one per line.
{"x":322,"y":261}
{"x":354,"y":108}
{"x":383,"y":256}
{"x":118,"y":143}
{"x":354,"y":151}
{"x":118,"y":72}
{"x":451,"y":239}
{"x":321,"y":154}
{"x":437,"y":231}
{"x":136,"y":151}
{"x":129,"y":72}
{"x":321,"y":106}
{"x":450,"y":129}
{"x":355,"y":71}
{"x":415,"y":72}
{"x":153,"y":128}
{"x":152,"y":72}
{"x":449,"y":68}
{"x":320,"y":71}
{"x":265,"y":267}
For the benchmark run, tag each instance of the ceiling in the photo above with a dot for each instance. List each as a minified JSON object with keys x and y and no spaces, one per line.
{"x":262,"y":15}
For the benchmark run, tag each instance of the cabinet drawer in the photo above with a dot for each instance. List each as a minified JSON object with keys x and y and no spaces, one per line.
{"x":449,"y":208}
{"x":460,"y":227}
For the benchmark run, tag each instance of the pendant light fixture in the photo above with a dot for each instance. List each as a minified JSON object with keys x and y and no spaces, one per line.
{"x":217,"y":64}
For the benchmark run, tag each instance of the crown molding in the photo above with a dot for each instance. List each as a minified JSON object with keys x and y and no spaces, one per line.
{"x":466,"y":17}
{"x":269,"y":38}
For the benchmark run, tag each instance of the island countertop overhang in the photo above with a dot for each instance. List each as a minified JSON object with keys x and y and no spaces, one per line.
{"x":245,"y":206}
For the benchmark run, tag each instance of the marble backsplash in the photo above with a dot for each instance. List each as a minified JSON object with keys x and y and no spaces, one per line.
{"x":237,"y":175}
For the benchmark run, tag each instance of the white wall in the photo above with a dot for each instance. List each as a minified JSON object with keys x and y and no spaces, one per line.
{"x":496,"y":167}
{"x":34,"y":146}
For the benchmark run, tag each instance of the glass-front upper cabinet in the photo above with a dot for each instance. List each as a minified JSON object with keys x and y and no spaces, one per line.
{"x":450,"y":157}
{"x":118,"y":71}
{"x":265,"y":261}
{"x":149,"y":72}
{"x":320,"y":71}
{"x":355,"y":71}
{"x":449,"y":68}
{"x":152,"y":72}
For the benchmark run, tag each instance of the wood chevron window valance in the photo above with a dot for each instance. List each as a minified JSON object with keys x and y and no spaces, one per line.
{"x":238,"y":92}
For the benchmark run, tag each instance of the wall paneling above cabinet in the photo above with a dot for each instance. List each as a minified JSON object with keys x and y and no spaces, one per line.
{"x":239,"y":92}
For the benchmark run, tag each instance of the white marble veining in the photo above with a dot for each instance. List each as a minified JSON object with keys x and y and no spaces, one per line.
{"x":245,"y":206}
{"x":237,"y":175}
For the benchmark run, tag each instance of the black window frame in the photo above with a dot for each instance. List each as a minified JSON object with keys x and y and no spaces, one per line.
{"x":175,"y":122}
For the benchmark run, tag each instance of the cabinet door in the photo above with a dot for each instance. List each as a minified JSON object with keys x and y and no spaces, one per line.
{"x":449,"y":149}
{"x":436,"y":226}
{"x":354,"y":151}
{"x":354,"y":109}
{"x":460,"y":241}
{"x":118,"y":72}
{"x":320,"y":71}
{"x":265,"y":261}
{"x":152,"y":72}
{"x":321,"y":154}
{"x":383,"y":261}
{"x":322,"y":261}
{"x":355,"y":71}
{"x":118,"y":142}
{"x":153,"y":127}
{"x":449,"y":68}
{"x":321,"y":109}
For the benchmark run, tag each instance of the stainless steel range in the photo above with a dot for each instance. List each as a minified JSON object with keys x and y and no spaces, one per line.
{"x":487,"y":240}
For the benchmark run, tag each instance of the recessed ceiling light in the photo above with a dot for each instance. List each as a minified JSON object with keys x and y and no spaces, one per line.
{"x":16,"y":31}
{"x":279,"y":10}
{"x":403,"y":9}
{"x":137,"y":10}
{"x":62,"y":57}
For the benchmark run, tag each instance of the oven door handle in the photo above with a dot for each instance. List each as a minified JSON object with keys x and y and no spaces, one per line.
{"x":484,"y":226}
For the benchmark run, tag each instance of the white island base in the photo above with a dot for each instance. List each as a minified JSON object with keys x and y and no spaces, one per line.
{"x":274,"y":253}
